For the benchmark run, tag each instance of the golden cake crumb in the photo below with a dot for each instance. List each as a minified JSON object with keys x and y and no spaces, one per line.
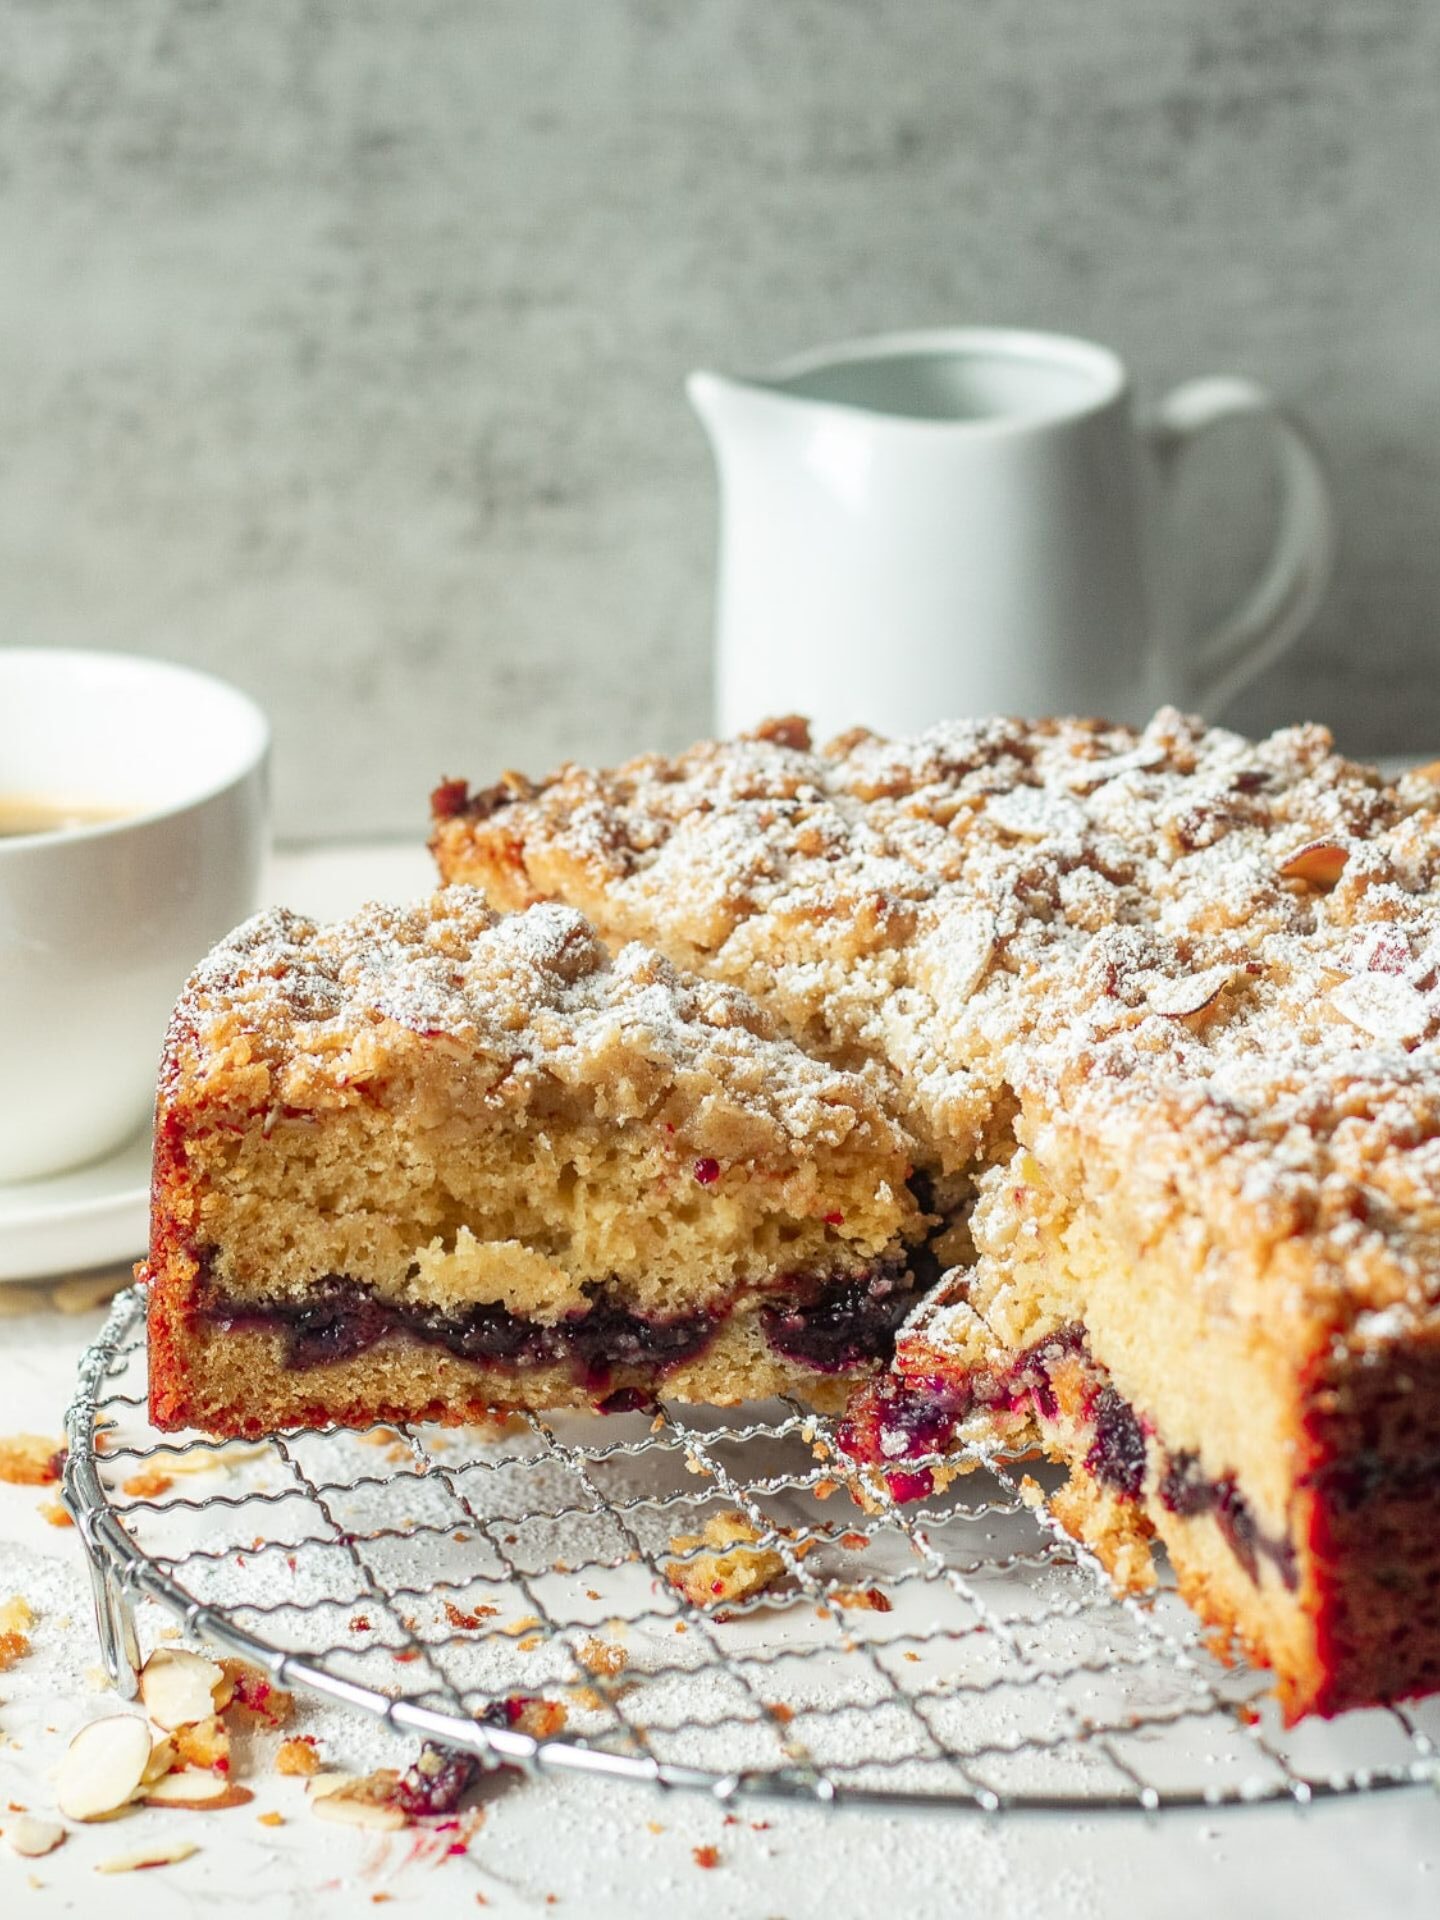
{"x":17,"y":1617}
{"x":602,"y":1657}
{"x":148,"y":1484}
{"x":300,"y":1755}
{"x":542,"y":1719}
{"x":862,"y":1599}
{"x":30,"y":1459}
{"x":468,"y":1619}
{"x":734,"y":1570}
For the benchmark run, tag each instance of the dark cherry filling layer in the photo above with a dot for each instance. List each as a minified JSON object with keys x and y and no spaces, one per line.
{"x":1117,"y":1453}
{"x":906,"y":1419}
{"x":341,"y":1318}
{"x":834,"y":1326}
{"x":847,"y":1323}
{"x":1186,"y":1491}
{"x":895,"y":1421}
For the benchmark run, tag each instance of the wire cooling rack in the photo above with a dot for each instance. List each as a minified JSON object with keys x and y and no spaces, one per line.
{"x":960,"y":1651}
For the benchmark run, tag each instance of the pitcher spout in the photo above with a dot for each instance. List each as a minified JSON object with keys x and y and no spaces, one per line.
{"x":733,"y":410}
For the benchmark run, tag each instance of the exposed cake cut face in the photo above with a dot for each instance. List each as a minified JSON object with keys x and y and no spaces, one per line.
{"x":434,"y":1137}
{"x":829,"y":1326}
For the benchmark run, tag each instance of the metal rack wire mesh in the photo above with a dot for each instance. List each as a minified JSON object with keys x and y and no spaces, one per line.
{"x":961,"y":1651}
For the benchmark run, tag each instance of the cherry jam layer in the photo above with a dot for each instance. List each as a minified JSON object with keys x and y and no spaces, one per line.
{"x":897,"y":1421}
{"x":832,"y":1325}
{"x":1187,"y":1491}
{"x":844,"y":1324}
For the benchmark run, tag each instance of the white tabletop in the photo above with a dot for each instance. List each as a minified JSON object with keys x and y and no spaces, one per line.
{"x":601,"y":1850}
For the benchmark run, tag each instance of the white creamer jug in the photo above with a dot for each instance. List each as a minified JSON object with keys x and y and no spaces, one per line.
{"x":959,"y":522}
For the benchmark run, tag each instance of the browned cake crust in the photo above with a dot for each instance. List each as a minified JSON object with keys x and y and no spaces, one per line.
{"x":428,"y":1164}
{"x":1160,"y":1010}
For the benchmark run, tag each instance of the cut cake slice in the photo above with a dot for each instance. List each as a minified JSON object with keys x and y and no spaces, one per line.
{"x":431,"y":1164}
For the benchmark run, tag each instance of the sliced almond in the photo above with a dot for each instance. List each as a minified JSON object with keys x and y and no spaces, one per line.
{"x":164,"y":1853}
{"x":179,"y":1688}
{"x":1179,"y":998}
{"x":197,"y":1787}
{"x":162,"y":1759}
{"x":30,"y":1837}
{"x":953,"y":961}
{"x":319,"y":1785}
{"x":1382,"y":1005}
{"x":1320,"y":864}
{"x":346,"y":1811}
{"x":103,"y":1766}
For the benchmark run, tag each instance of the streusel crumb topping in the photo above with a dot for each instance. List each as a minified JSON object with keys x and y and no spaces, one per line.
{"x":1215,"y":961}
{"x":305,"y":1016}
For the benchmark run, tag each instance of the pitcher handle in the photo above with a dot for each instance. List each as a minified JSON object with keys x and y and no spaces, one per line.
{"x":1292,"y":583}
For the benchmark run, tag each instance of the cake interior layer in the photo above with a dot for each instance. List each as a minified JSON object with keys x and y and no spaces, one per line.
{"x":523,"y":1217}
{"x":238,"y":1375}
{"x":1063,"y":1238}
{"x":829,"y":1324}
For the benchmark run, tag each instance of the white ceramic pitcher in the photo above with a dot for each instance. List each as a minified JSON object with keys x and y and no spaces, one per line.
{"x":971,"y":521}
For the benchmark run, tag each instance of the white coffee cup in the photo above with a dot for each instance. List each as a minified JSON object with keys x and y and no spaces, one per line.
{"x":100,"y":924}
{"x":974,"y":521}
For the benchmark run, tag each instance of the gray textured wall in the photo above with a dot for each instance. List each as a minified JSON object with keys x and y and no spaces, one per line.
{"x":340,"y":342}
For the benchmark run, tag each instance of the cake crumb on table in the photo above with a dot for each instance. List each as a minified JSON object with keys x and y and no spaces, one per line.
{"x":734,"y":1570}
{"x":602,"y":1657}
{"x":30,"y":1460}
{"x":164,"y":1853}
{"x":863,"y":1599}
{"x":299,"y":1756}
{"x":148,"y":1484}
{"x":17,"y":1617}
{"x":468,"y":1619}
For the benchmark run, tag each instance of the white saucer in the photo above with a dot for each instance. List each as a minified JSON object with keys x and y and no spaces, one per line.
{"x":89,"y":1217}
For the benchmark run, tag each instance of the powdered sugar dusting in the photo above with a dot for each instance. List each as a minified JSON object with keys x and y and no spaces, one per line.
{"x":1223,"y":951}
{"x":528,"y":999}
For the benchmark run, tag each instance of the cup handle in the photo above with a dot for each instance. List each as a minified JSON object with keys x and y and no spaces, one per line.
{"x":1292,"y":584}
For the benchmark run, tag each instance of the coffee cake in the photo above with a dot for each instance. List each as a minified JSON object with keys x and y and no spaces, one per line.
{"x":1159,"y":1012}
